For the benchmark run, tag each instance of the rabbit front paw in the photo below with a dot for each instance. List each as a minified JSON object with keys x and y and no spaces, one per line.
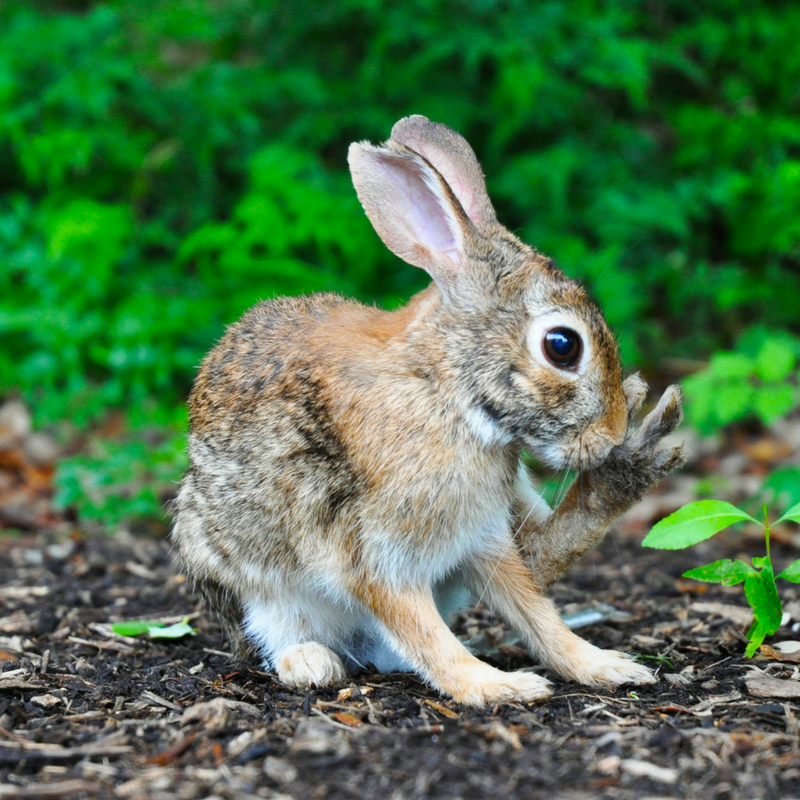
{"x":641,"y":460}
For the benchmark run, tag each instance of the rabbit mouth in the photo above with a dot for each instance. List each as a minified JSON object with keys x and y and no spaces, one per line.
{"x":586,"y":451}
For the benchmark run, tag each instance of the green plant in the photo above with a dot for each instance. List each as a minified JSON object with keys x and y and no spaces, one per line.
{"x":699,"y":521}
{"x":782,"y":487}
{"x":758,"y":379}
{"x":125,"y":477}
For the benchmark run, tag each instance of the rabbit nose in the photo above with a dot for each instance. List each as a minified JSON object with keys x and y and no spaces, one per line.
{"x":613,"y":425}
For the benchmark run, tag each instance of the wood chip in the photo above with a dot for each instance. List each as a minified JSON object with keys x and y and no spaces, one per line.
{"x":167,"y":756}
{"x":19,"y":683}
{"x":117,"y":647}
{"x":348,"y":719}
{"x":736,"y":614}
{"x":760,"y":685}
{"x":19,"y":622}
{"x":500,"y":731}
{"x":644,"y":769}
{"x":45,"y":700}
{"x":11,"y":752}
{"x":217,"y":713}
{"x":161,"y":701}
{"x":443,"y":710}
{"x":23,"y":592}
{"x":354,"y":693}
{"x":45,"y":791}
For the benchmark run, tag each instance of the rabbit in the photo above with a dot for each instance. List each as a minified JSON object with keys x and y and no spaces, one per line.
{"x":355,"y":473}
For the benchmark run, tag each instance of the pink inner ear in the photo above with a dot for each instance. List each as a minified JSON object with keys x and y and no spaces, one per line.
{"x":423,"y":212}
{"x":466,"y":197}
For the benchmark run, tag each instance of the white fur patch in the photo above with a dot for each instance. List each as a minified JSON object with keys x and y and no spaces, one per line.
{"x":300,"y":616}
{"x":486,"y":430}
{"x":533,"y":503}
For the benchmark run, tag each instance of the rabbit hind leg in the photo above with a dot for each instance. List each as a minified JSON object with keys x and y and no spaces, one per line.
{"x":298,"y":637}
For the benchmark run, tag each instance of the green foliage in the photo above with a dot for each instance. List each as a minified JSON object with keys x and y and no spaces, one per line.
{"x":165,"y":165}
{"x":782,"y":488}
{"x":154,"y":629}
{"x":124,"y":477}
{"x":725,"y":571}
{"x":698,"y":521}
{"x":762,"y":595}
{"x":759,"y":380}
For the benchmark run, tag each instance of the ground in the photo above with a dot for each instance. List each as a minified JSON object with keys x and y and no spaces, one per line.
{"x":87,"y":713}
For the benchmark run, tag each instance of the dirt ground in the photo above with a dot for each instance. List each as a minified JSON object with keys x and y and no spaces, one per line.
{"x":87,"y":713}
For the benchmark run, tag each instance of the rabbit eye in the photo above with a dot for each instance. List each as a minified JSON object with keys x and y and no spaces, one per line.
{"x":562,"y":347}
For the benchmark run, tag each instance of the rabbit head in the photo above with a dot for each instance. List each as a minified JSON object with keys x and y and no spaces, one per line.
{"x":528,"y":355}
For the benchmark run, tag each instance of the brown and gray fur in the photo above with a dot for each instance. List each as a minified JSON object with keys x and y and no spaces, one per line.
{"x":352,"y":468}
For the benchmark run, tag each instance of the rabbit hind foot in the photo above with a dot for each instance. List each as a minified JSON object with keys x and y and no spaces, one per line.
{"x":309,"y":664}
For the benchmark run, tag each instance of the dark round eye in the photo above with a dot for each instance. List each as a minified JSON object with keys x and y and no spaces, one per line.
{"x":563,"y":347}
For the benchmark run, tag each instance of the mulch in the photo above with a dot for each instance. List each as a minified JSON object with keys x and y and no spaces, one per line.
{"x":87,"y":713}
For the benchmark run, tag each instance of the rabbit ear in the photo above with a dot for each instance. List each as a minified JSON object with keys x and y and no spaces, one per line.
{"x":416,"y":214}
{"x":451,"y":155}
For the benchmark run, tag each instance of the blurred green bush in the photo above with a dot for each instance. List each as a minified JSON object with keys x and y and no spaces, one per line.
{"x":165,"y":165}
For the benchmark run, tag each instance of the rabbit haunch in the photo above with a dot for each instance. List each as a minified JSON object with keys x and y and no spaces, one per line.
{"x":352,"y":468}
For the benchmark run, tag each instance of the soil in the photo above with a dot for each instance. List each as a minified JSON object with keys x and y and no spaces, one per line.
{"x":87,"y":713}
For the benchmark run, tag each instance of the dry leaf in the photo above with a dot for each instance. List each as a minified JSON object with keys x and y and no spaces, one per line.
{"x":774,"y":653}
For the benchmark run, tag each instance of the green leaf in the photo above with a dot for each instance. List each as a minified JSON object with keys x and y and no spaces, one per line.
{"x":773,"y":401}
{"x":693,"y":523}
{"x":133,"y":628}
{"x":792,"y":572}
{"x":756,"y":635}
{"x":155,"y":629}
{"x":792,"y":514}
{"x":725,"y":571}
{"x":731,"y":366}
{"x":175,"y":631}
{"x":762,"y":595}
{"x":775,"y":361}
{"x":732,"y":401}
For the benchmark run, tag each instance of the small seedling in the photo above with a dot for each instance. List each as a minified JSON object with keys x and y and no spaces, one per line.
{"x":155,"y":629}
{"x":698,"y":521}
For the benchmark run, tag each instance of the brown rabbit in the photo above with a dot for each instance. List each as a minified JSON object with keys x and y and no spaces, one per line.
{"x":352,"y":468}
